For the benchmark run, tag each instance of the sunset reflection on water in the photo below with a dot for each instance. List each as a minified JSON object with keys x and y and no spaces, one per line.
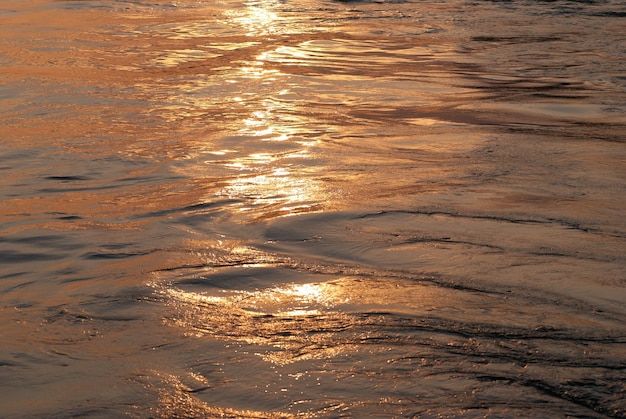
{"x":311,"y":208}
{"x":279,"y":180}
{"x":263,"y":18}
{"x":279,"y":177}
{"x":258,"y":19}
{"x":257,"y":135}
{"x":267,"y":155}
{"x":278,"y":316}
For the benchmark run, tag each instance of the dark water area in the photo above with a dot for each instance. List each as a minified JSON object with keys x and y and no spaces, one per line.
{"x":312,"y":209}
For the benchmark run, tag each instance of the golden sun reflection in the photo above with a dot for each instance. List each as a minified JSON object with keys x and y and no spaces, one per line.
{"x":281,"y":301}
{"x":294,"y":321}
{"x":277,"y":317}
{"x":261,"y":145}
{"x":260,"y":18}
{"x":276,"y":194}
{"x":275,"y":177}
{"x":302,"y":299}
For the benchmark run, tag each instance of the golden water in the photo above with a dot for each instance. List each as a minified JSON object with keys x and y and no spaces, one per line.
{"x":312,"y":209}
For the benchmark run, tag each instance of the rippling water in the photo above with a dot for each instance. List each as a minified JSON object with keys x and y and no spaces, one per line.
{"x":312,"y":208}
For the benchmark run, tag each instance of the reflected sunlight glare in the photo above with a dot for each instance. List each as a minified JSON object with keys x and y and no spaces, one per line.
{"x":258,"y":19}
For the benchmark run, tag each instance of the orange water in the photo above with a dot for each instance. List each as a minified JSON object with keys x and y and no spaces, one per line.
{"x":312,"y":209}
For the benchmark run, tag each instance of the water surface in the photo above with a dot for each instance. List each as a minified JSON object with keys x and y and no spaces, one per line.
{"x":312,"y":209}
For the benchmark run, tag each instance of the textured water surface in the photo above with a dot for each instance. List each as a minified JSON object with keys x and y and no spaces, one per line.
{"x":312,"y":209}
